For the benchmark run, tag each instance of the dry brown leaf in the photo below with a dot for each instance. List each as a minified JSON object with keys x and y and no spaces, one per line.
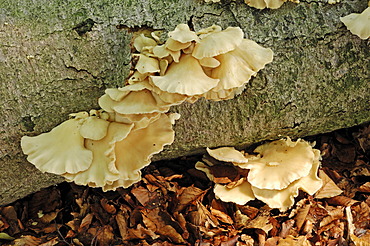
{"x":172,"y":234}
{"x":47,"y":218}
{"x":108,"y":207}
{"x":27,"y":241}
{"x":300,"y":218}
{"x":85,"y":223}
{"x":328,"y":189}
{"x":260,"y":222}
{"x":186,"y":196}
{"x":122,"y":225}
{"x":51,"y":242}
{"x":223,"y":217}
{"x":105,"y":235}
{"x":365,"y":187}
{"x":341,"y":201}
{"x":292,"y":241}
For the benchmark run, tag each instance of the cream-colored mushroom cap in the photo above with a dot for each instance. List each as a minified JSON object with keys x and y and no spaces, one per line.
{"x":240,"y":194}
{"x":147,"y":64}
{"x":238,"y":65}
{"x":59,"y":151}
{"x":174,"y":45}
{"x":358,"y":24}
{"x":94,"y":128}
{"x":137,"y":98}
{"x":218,"y":43}
{"x":284,"y":199}
{"x":141,"y":41}
{"x":136,"y":150}
{"x":227,"y":154}
{"x":179,"y":79}
{"x":102,"y":170}
{"x":183,"y":34}
{"x":261,"y":4}
{"x":161,"y":51}
{"x":280,"y":163}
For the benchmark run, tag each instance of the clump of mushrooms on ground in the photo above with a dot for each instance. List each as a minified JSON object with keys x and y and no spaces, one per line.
{"x":274,"y":175}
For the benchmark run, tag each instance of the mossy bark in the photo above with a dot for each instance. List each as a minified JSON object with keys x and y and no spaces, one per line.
{"x":57,"y":57}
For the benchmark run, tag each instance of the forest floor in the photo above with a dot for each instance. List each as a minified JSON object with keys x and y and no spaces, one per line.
{"x":174,"y":205}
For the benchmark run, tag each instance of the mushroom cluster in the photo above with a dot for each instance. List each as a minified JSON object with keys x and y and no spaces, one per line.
{"x":98,"y":150}
{"x":275,"y":175}
{"x":108,"y":147}
{"x":358,"y":24}
{"x":261,"y":4}
{"x":221,"y":63}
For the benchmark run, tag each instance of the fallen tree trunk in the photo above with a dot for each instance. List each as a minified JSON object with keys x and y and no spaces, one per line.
{"x":58,"y":58}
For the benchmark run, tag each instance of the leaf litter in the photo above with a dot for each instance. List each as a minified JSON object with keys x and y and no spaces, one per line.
{"x":174,"y":204}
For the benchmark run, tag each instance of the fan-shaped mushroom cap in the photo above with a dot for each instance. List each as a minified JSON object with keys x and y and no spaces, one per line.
{"x":136,"y":150}
{"x":141,"y":41}
{"x":284,"y":199}
{"x":238,"y":65}
{"x":261,"y":4}
{"x":209,"y":62}
{"x":208,"y":30}
{"x":59,"y":151}
{"x":102,"y":170}
{"x":358,"y":24}
{"x":174,"y":45}
{"x":281,"y":162}
{"x":147,"y":64}
{"x":137,"y":98}
{"x":240,"y":194}
{"x":139,"y":120}
{"x":161,"y":51}
{"x":183,"y":34}
{"x":227,"y":154}
{"x":94,"y":128}
{"x":179,"y":80}
{"x":217,"y":43}
{"x":137,"y":77}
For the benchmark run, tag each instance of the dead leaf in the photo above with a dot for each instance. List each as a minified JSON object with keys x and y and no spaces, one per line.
{"x":292,"y":241}
{"x":27,"y":241}
{"x":85,"y":223}
{"x":301,"y":215}
{"x":122,"y":225}
{"x":51,"y":242}
{"x":186,"y":196}
{"x":108,"y":207}
{"x":328,"y":189}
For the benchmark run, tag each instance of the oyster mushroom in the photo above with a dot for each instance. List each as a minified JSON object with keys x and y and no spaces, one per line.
{"x":59,"y":151}
{"x":178,"y":79}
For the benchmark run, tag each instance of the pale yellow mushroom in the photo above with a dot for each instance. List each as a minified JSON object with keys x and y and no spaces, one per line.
{"x":141,"y":41}
{"x":358,"y":24}
{"x":102,"y":170}
{"x":137,"y":98}
{"x":238,"y":65}
{"x":161,"y":51}
{"x":174,"y":45}
{"x":284,"y":199}
{"x":94,"y":128}
{"x":136,"y":150}
{"x":227,"y":154}
{"x":179,"y":80}
{"x":147,"y":64}
{"x":217,"y":43}
{"x":59,"y":151}
{"x":183,"y":34}
{"x":209,"y":62}
{"x":240,"y":194}
{"x":280,"y":163}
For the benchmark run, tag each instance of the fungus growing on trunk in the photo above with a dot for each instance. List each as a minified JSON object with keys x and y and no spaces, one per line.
{"x":358,"y":24}
{"x":109,"y":148}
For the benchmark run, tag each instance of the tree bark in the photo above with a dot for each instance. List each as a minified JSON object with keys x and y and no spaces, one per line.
{"x":57,"y":57}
